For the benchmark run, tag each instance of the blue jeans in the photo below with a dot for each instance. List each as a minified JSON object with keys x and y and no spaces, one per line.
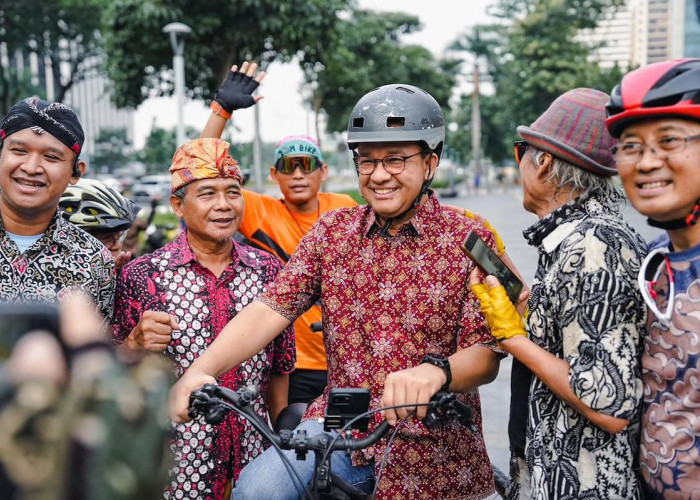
{"x":267,"y":477}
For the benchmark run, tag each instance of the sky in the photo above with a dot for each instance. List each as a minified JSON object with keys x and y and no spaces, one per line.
{"x":281,"y":110}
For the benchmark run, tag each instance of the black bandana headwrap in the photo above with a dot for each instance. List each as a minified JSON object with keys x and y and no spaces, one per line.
{"x":55,"y":118}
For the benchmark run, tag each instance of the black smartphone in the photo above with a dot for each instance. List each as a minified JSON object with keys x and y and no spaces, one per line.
{"x":490,"y":263}
{"x":343,"y":406}
{"x":18,"y":319}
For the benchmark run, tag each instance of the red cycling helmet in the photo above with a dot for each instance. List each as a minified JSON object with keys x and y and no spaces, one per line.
{"x":663,"y":89}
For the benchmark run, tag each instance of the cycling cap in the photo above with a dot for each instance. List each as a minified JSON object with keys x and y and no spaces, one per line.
{"x":397,"y":113}
{"x":298,"y":145}
{"x":96,"y":207}
{"x":664,"y":89}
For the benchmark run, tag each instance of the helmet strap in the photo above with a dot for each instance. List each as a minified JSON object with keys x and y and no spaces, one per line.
{"x":689,"y":220}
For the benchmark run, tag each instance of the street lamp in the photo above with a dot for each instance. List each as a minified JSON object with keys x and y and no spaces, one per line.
{"x":178,"y":32}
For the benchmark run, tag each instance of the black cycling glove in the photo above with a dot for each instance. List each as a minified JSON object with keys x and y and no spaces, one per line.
{"x":236,"y":91}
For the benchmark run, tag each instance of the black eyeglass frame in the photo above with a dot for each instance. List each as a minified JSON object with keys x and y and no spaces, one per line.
{"x":519,"y":150}
{"x":358,"y":166}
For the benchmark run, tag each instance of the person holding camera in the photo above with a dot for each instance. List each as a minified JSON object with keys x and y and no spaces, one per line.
{"x":42,"y":256}
{"x":576,"y":384}
{"x":399,"y":318}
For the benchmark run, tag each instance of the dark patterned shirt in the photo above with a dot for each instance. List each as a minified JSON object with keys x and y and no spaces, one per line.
{"x":670,"y":447}
{"x":387,"y":301}
{"x":172,"y":280}
{"x":63,"y":258}
{"x":585,"y":307}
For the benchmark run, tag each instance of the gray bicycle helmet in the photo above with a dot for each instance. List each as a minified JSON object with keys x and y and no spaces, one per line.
{"x":397,"y":113}
{"x":96,"y":207}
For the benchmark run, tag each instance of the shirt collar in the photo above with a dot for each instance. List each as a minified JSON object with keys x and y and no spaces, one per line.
{"x":58,"y":230}
{"x":182,"y":253}
{"x":555,"y":227}
{"x":417,"y":224}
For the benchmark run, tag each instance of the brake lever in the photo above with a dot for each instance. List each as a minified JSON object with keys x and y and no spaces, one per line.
{"x":203,"y":402}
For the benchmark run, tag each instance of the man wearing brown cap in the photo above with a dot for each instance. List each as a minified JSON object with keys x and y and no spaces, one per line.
{"x":575,"y":386}
{"x":42,"y":256}
{"x":177,"y":299}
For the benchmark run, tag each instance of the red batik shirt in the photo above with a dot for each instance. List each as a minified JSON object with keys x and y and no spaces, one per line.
{"x":387,"y":301}
{"x":172,"y":280}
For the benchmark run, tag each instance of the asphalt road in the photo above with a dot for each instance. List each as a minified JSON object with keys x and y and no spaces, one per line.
{"x":503,"y":209}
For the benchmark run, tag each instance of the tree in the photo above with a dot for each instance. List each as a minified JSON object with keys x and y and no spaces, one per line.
{"x":112,"y":149}
{"x":532,"y":57}
{"x":365,"y":52}
{"x":223,"y":33}
{"x":64,"y":32}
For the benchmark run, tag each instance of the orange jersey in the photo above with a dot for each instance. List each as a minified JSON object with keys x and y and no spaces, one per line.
{"x":268,"y":224}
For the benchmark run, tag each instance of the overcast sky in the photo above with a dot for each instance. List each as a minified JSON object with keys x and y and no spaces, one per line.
{"x":281,"y":110}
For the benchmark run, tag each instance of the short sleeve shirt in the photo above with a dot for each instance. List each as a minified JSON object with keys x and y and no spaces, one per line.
{"x":585,"y":307}
{"x":173,"y":281}
{"x":63,"y":259}
{"x":387,"y":301}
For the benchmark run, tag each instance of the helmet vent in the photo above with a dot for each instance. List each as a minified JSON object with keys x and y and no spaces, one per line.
{"x":358,"y":122}
{"x":395,"y":122}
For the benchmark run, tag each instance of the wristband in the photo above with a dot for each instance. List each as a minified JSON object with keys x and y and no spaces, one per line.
{"x":217,"y":109}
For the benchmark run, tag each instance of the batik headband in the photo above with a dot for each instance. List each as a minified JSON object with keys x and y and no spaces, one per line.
{"x":204,"y":158}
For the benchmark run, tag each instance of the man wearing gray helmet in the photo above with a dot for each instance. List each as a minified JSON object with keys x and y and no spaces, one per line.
{"x":399,"y":318}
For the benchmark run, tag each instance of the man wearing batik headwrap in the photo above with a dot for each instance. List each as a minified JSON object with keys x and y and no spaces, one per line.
{"x":42,"y":256}
{"x":177,"y":299}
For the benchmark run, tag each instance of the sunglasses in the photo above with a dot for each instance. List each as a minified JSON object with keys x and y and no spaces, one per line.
{"x":519,"y":148}
{"x":648,"y":278}
{"x":288,"y":164}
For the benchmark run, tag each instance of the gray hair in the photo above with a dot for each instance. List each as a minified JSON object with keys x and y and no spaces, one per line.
{"x":180,"y":192}
{"x":576,"y":180}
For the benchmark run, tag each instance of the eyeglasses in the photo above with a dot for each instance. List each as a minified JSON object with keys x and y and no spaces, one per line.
{"x":288,"y":164}
{"x":110,"y":238}
{"x":648,"y":277}
{"x":393,"y":164}
{"x":630,"y":152}
{"x":519,"y":148}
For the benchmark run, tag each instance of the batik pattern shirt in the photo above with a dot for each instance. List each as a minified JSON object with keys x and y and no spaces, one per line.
{"x":63,"y":259}
{"x":585,"y":307}
{"x":387,"y":301}
{"x":670,"y":448}
{"x":173,"y":281}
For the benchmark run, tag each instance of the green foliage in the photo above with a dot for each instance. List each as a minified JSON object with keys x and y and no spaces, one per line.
{"x":113,"y":149}
{"x":158,"y":150}
{"x":223,"y":33}
{"x":66,"y":32}
{"x":365,"y":52}
{"x":532,"y":57}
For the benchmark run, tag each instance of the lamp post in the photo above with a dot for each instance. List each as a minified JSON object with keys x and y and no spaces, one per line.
{"x":178,"y":32}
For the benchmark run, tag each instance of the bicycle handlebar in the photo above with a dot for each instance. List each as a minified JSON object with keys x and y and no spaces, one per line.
{"x":213,"y":402}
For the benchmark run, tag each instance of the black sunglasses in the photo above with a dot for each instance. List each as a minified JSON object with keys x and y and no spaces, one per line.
{"x":520,"y":148}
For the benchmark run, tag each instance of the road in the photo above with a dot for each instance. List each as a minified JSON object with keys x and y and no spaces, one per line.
{"x":503,"y":209}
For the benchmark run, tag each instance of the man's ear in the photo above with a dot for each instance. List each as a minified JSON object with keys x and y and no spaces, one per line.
{"x":324,"y":172}
{"x":176,"y":203}
{"x":543,"y":164}
{"x":432,"y":164}
{"x":273,"y":175}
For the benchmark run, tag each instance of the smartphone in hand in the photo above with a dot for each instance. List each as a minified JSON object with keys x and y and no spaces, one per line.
{"x":486,"y":259}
